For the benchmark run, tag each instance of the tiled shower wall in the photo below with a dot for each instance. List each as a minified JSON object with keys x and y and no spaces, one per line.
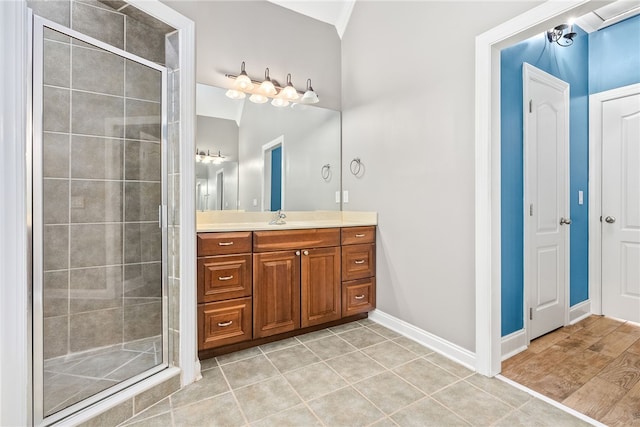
{"x":109,"y":192}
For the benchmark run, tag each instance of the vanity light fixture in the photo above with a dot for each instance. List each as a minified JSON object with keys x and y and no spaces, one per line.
{"x":202,"y":157}
{"x":309,"y":97}
{"x":267,"y":89}
{"x":561,"y":37}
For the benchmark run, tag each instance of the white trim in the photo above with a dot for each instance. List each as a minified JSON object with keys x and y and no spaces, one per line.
{"x":551,"y":402}
{"x":595,"y":188}
{"x":513,"y":344}
{"x":434,"y":342}
{"x":531,"y":73}
{"x":14,"y":298}
{"x":579,"y":312}
{"x":487,"y":177}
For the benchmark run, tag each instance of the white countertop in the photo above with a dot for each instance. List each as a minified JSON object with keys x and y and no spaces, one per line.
{"x":213,"y":221}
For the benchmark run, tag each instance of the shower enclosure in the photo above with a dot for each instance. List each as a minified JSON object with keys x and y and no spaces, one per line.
{"x":99,"y":220}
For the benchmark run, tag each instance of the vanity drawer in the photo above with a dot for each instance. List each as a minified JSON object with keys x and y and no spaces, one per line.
{"x":358,"y":261}
{"x":224,"y":277}
{"x":265,"y":241}
{"x":224,"y":243}
{"x":225,"y":322}
{"x":358,"y":296}
{"x":358,"y":235}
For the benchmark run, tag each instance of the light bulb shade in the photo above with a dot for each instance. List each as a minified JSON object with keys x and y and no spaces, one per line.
{"x":309,"y":97}
{"x":279,"y":102}
{"x":290,"y":93}
{"x":243,"y":82}
{"x":258,"y":99}
{"x":267,"y":87}
{"x":235,"y":94}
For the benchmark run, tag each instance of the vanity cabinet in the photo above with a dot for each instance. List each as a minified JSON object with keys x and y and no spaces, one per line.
{"x":299,"y":286}
{"x":256,"y":287}
{"x":358,"y":270}
{"x":224,"y":278}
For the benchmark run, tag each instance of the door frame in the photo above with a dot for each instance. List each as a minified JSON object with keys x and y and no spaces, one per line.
{"x":487,"y":166}
{"x":220,"y":188}
{"x":531,"y":72}
{"x":268,"y":147}
{"x":596,"y":101}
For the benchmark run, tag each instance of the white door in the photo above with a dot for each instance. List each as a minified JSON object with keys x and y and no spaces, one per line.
{"x":546,"y":216}
{"x":621,"y":208}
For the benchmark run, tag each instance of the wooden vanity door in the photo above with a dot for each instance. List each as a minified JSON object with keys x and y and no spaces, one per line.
{"x":276,"y":292}
{"x":321,"y":286}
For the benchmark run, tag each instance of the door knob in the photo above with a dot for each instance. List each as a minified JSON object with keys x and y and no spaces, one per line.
{"x":610,"y":219}
{"x":565,"y":221}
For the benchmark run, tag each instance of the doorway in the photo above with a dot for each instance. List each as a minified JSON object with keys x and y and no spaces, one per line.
{"x":615,"y":202}
{"x":273,"y":175}
{"x":546,"y":204}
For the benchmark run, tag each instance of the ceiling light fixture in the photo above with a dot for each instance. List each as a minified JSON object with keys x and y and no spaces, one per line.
{"x":262,"y":91}
{"x":559,"y":36}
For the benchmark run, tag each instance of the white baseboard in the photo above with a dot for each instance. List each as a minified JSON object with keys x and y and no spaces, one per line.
{"x":514,"y":343}
{"x":579,"y":311}
{"x":437,"y":344}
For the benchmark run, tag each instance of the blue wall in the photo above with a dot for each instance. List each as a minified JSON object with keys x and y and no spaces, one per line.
{"x":614,"y":56}
{"x":571,"y":65}
{"x":276,"y":179}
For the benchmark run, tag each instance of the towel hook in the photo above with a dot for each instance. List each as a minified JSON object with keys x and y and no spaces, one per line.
{"x":325,"y":172}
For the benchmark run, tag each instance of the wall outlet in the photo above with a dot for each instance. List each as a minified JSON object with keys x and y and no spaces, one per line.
{"x":345,"y":196}
{"x":337,"y":197}
{"x":255,"y":202}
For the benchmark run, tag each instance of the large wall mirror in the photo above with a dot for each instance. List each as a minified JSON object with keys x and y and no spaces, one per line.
{"x":258,"y":157}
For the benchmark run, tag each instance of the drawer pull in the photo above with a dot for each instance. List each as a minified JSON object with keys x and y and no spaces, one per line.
{"x":225,"y":324}
{"x":360,"y":235}
{"x":225,"y":243}
{"x":359,"y":296}
{"x":223,"y":278}
{"x":359,"y":261}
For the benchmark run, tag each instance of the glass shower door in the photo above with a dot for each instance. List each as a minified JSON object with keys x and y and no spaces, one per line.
{"x":98,"y":239}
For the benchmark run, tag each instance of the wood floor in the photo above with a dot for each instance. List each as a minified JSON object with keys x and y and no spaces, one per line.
{"x":592,"y":367}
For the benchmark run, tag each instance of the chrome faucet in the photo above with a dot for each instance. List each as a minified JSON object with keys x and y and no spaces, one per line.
{"x":279,"y":218}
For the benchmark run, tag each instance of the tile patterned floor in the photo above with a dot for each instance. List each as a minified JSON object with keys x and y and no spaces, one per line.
{"x":70,"y":379}
{"x":358,"y":374}
{"x":592,"y":367}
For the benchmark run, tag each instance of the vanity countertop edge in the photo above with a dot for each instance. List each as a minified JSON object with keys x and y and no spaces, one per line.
{"x":243,"y":221}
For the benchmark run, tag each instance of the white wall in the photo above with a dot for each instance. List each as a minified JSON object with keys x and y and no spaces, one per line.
{"x":311,"y":140}
{"x":407,"y":98}
{"x":264,"y":35}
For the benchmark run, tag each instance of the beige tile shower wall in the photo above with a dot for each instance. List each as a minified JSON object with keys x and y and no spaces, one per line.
{"x":102,"y":262}
{"x":173,"y":140}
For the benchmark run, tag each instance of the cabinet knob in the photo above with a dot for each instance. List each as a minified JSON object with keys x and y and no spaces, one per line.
{"x":298,"y":253}
{"x":305,"y":252}
{"x":225,"y":324}
{"x":359,"y":296}
{"x":223,"y":278}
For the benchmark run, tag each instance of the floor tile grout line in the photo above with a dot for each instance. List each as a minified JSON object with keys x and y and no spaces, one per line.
{"x":292,"y":388}
{"x":235,"y":398}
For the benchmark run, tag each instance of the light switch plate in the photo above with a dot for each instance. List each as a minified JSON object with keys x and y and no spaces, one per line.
{"x":580,"y":197}
{"x":337,"y":197}
{"x":345,"y":196}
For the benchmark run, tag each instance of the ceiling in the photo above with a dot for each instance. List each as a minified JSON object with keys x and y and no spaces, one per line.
{"x":609,"y":15}
{"x":334,"y":12}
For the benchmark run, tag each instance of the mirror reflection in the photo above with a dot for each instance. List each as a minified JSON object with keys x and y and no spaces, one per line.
{"x":258,"y":157}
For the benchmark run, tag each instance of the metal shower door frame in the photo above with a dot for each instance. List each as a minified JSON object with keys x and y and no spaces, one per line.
{"x":36,"y":224}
